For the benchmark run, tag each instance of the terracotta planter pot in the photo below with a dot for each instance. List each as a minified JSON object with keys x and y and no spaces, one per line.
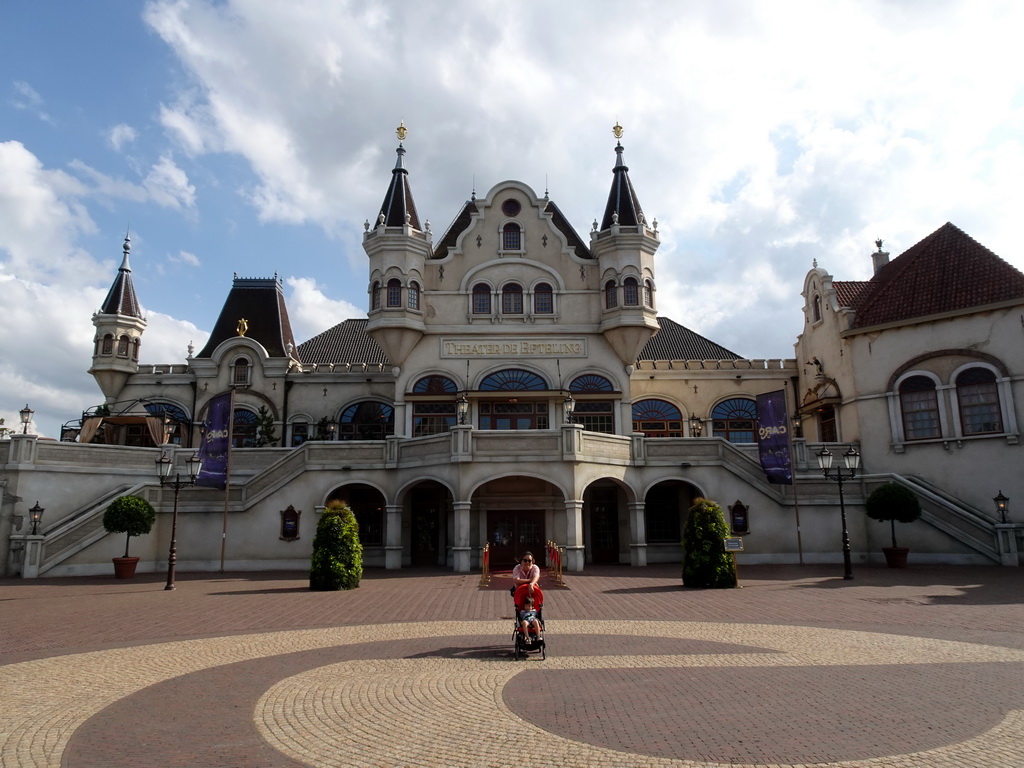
{"x":124,"y":567}
{"x":896,"y":557}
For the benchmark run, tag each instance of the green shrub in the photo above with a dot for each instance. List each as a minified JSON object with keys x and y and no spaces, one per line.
{"x":132,"y":515}
{"x":337,"y":552}
{"x":706,"y":564}
{"x":893,"y":503}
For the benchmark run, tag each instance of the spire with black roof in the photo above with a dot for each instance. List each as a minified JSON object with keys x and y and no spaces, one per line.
{"x":623,"y":207}
{"x":398,"y":208}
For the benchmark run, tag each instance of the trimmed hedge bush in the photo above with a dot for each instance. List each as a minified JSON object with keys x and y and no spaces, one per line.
{"x":893,"y":503}
{"x":337,"y":552}
{"x":132,"y":515}
{"x":706,"y":564}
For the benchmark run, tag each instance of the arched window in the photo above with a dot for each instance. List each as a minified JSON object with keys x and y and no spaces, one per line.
{"x":611,"y":299}
{"x":135,"y":349}
{"x":481,"y":299}
{"x":108,"y":344}
{"x":543,"y":299}
{"x":177,"y":420}
{"x":414,"y":295}
{"x":512,"y":299}
{"x":920,"y":407}
{"x":648,"y":294}
{"x":657,"y":418}
{"x":375,"y":296}
{"x":513,"y":380}
{"x":435,"y":385}
{"x":122,"y":346}
{"x":978,"y":395}
{"x":243,"y":431}
{"x":734,"y":420}
{"x":630,"y":292}
{"x":817,"y":308}
{"x":299,"y":431}
{"x":368,"y":420}
{"x":241,"y":374}
{"x":511,"y":237}
{"x":594,"y":415}
{"x":394,"y":292}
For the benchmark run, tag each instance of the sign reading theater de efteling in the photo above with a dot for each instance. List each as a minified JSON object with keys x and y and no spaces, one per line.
{"x":499,"y":347}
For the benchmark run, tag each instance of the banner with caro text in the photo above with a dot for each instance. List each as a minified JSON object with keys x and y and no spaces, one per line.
{"x":773,"y":437}
{"x":215,"y":446}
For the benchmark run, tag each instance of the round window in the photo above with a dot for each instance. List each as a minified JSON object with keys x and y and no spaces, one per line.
{"x":511,"y":207}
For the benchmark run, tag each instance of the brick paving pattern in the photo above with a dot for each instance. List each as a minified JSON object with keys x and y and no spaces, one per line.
{"x":921,"y":667}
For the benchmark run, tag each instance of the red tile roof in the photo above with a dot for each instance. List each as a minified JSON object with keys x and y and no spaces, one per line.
{"x":945,"y":272}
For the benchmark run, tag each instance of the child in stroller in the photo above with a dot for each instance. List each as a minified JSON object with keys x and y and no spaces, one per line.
{"x":527,"y":632}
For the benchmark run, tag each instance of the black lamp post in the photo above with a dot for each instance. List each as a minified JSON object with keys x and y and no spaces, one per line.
{"x":26,"y":417}
{"x":37,"y":517}
{"x":569,"y":405}
{"x":696,"y":426}
{"x":852,"y":459}
{"x":1002,"y":507}
{"x":163,"y":468}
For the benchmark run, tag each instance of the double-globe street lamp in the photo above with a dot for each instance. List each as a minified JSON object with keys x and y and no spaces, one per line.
{"x":163,"y":468}
{"x":852,"y":459}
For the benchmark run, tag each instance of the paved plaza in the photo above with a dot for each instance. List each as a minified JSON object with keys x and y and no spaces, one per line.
{"x":920,"y":667}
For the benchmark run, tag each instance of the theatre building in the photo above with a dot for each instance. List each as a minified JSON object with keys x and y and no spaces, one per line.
{"x":513,"y":384}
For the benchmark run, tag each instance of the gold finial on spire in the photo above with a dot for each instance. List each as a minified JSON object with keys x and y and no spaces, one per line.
{"x":617,"y":130}
{"x":401,"y":131}
{"x":242,"y":327}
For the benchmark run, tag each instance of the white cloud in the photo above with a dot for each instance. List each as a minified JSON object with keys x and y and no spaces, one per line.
{"x":312,"y":312}
{"x":28,"y":98}
{"x":169,"y":186}
{"x":184,"y":257}
{"x":120,"y":135}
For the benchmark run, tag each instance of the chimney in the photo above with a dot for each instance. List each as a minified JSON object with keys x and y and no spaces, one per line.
{"x":879,"y":258}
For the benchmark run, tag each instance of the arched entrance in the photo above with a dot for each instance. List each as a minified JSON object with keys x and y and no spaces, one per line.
{"x":368,"y":505}
{"x":665,"y":508}
{"x":429,"y":504}
{"x":603,"y":522}
{"x":516,"y":513}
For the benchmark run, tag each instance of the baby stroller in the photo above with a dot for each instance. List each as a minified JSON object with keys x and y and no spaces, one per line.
{"x":529,"y":643}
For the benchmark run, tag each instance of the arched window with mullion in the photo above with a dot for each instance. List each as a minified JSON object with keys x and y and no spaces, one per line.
{"x":657,"y":418}
{"x":543,"y":299}
{"x":919,"y":405}
{"x":630,"y":292}
{"x":512,"y":299}
{"x":734,"y":420}
{"x":481,"y":299}
{"x":978,"y":395}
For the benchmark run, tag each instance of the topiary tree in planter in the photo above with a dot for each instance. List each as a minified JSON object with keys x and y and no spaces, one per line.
{"x":893,"y":503}
{"x":131,"y":515}
{"x":706,"y":564}
{"x":337,"y":561}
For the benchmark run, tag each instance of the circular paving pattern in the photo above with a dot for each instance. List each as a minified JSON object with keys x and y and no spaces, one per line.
{"x":679,"y":694}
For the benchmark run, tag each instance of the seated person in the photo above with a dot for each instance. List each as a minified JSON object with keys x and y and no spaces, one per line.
{"x":528,"y":619}
{"x":526,"y":572}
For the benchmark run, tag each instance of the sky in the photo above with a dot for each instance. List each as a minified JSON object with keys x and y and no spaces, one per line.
{"x":255,"y":137}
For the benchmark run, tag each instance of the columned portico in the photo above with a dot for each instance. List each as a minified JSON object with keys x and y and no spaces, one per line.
{"x":393,"y":533}
{"x":637,"y":534}
{"x":461,"y":551}
{"x":574,"y":546}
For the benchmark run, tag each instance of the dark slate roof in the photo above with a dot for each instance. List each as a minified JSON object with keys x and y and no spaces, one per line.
{"x":261,"y":302}
{"x":562,"y":225}
{"x":121,"y":299}
{"x":622,"y":198}
{"x":347,"y":342}
{"x":398,"y":200}
{"x":947,"y":271}
{"x":676,"y":342}
{"x":456,"y":228}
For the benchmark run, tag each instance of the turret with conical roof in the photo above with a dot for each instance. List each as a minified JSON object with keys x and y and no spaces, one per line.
{"x":119,"y":325}
{"x":624,"y":247}
{"x":398,"y":248}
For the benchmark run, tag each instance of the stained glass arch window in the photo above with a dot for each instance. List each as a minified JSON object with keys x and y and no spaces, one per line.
{"x":435,"y":385}
{"x":735,"y":419}
{"x":513,"y":380}
{"x":590,"y":382}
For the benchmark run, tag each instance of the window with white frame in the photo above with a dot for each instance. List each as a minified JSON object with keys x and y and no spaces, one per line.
{"x":919,"y":404}
{"x":978,"y":395}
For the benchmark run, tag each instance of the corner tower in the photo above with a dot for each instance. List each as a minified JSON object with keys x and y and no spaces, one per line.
{"x":398,"y":248}
{"x":624,"y":247}
{"x":119,"y":326}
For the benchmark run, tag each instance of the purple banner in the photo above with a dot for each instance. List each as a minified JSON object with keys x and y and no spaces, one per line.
{"x":773,"y":437}
{"x":215,"y":446}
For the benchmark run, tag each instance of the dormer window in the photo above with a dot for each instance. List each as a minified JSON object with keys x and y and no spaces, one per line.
{"x":512,"y":237}
{"x":394,"y":292}
{"x":240,"y":375}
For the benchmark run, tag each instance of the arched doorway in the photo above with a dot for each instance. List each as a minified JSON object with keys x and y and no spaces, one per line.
{"x":429,"y":507}
{"x":367,"y":503}
{"x":665,"y":508}
{"x":602,"y":522}
{"x":516,"y":513}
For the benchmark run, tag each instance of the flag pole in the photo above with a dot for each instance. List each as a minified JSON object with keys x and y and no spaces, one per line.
{"x":796,"y":495}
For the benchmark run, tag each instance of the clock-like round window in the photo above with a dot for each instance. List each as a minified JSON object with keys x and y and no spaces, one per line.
{"x":511,"y":207}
